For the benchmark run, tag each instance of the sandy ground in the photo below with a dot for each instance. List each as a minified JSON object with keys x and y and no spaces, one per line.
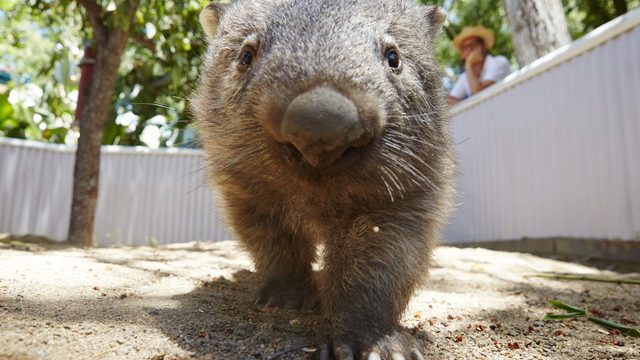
{"x":195,"y":301}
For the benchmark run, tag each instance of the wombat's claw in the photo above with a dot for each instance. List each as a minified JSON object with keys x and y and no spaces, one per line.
{"x":395,"y":347}
{"x":343,"y":351}
{"x":324,"y":352}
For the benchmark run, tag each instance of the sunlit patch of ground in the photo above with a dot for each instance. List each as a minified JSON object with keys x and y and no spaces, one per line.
{"x":196,"y":300}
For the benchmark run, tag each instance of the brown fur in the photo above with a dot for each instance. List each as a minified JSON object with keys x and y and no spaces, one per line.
{"x":378,"y":216}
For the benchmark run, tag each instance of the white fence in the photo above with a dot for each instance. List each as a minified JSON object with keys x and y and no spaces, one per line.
{"x":554,"y":150}
{"x":144,"y":196}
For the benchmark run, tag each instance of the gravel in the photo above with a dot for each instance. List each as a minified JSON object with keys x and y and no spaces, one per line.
{"x":195,"y":300}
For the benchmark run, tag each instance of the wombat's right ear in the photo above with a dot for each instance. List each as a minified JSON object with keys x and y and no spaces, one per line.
{"x":436,"y":17}
{"x":210,"y":17}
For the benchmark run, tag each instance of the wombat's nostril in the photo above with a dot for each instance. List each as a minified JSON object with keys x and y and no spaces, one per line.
{"x":323,"y":124}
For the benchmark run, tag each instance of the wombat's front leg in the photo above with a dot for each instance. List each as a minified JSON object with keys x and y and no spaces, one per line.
{"x":281,"y":257}
{"x":366,"y":284}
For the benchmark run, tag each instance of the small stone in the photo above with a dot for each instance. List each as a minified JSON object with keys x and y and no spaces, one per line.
{"x":154,"y":312}
{"x":528,"y":343}
{"x":513,"y":346}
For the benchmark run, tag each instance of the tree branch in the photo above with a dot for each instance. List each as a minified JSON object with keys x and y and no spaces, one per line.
{"x":143,"y":41}
{"x":134,"y":7}
{"x":95,"y":14}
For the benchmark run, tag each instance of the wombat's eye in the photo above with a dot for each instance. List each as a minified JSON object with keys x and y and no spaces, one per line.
{"x":393,"y":59}
{"x":246,"y":58}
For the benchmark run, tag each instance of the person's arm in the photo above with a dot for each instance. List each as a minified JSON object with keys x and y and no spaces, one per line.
{"x":476,"y":84}
{"x":473,"y":61}
{"x":452,"y":100}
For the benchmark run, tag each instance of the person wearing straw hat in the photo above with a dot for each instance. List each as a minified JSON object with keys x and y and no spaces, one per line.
{"x":481,"y":69}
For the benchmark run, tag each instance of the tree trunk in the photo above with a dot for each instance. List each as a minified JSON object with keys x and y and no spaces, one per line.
{"x":538,"y":26}
{"x":92,"y":121}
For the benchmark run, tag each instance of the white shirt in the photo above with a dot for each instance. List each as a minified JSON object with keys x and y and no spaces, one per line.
{"x":495,"y":69}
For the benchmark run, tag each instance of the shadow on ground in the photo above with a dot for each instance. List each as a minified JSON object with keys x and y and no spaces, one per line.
{"x":470,"y":308}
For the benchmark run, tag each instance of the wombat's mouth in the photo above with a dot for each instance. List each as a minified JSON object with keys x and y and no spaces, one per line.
{"x":339,"y":162}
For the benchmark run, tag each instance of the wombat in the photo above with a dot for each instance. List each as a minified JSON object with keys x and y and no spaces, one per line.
{"x":324,"y":128}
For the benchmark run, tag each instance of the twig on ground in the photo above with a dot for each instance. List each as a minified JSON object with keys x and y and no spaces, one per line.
{"x":586,"y":277}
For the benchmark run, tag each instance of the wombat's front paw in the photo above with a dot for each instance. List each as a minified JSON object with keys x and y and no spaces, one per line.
{"x":289,"y":293}
{"x":396,"y":346}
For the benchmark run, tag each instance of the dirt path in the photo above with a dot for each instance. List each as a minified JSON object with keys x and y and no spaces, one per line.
{"x":195,"y":301}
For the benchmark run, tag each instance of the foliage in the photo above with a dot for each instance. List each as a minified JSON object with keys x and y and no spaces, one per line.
{"x":586,"y":15}
{"x":158,"y":70}
{"x":43,"y":40}
{"x":582,"y":17}
{"x":461,"y":13}
{"x":158,"y":74}
{"x":40,"y":57}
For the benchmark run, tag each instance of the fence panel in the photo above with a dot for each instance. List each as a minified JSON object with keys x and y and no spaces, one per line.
{"x":145,"y":196}
{"x":556,"y":154}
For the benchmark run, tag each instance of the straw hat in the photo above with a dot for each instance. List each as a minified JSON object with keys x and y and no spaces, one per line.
{"x":470,"y":31}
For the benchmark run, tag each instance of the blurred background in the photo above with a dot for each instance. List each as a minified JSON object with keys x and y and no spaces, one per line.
{"x":549,"y":153}
{"x":43,"y":44}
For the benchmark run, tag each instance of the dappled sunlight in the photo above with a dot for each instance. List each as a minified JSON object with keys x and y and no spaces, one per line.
{"x":197,"y":299}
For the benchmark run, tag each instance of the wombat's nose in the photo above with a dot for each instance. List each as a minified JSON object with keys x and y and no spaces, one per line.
{"x":322,"y":124}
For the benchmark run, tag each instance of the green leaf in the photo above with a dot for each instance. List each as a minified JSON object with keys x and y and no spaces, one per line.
{"x":6,"y":5}
{"x":122,"y":15}
{"x":6,"y":110}
{"x":8,"y":124}
{"x":563,"y":306}
{"x":614,"y":325}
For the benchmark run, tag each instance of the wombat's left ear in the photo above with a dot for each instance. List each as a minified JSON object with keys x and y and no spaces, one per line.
{"x":436,"y":17}
{"x":210,"y":17}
